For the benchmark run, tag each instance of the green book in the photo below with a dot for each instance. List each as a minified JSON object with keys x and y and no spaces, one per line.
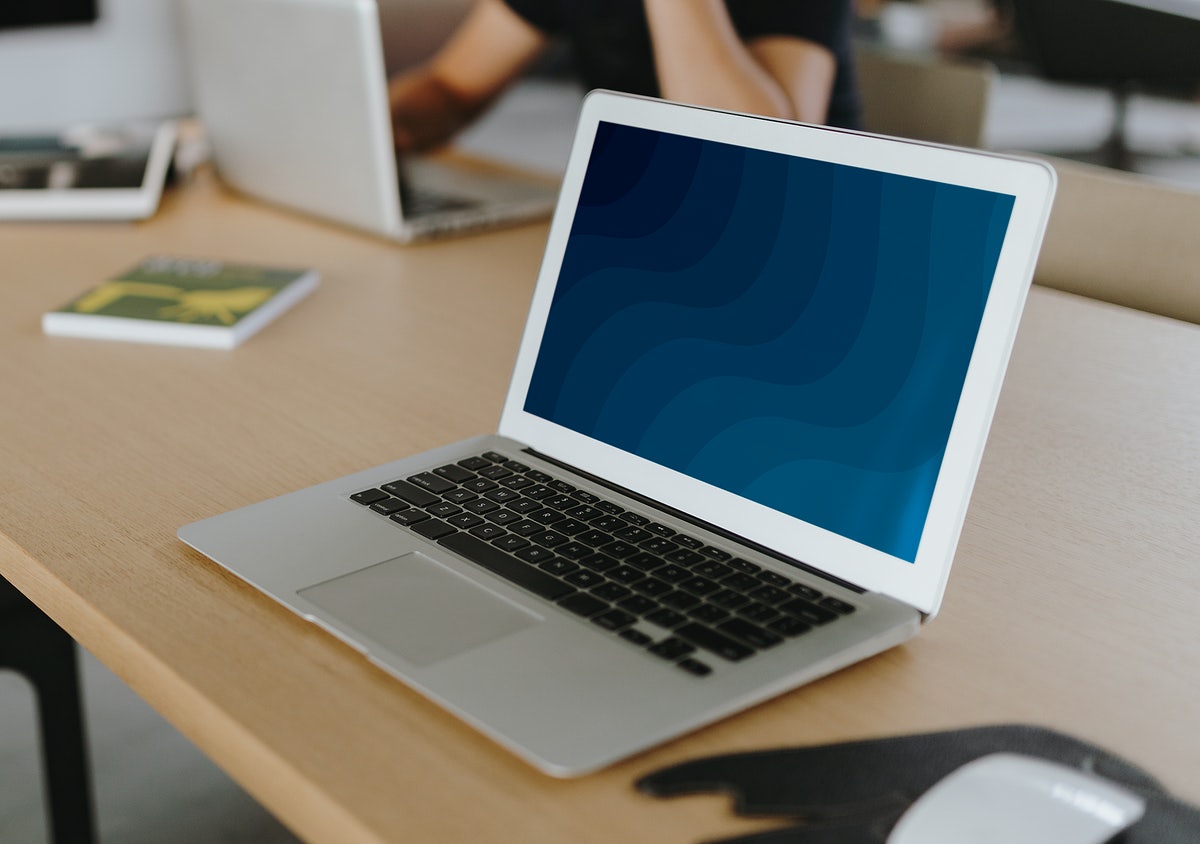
{"x":182,"y":302}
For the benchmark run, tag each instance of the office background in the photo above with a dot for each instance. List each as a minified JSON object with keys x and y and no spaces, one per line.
{"x":150,"y":783}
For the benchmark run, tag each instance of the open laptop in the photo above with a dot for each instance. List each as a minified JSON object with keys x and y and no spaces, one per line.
{"x":745,"y":419}
{"x":293,"y":97}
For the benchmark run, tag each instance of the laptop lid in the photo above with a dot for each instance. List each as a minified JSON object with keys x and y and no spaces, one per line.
{"x":794,"y":333}
{"x":293,"y":96}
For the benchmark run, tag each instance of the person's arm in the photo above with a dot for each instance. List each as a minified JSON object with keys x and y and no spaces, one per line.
{"x":700,"y":59}
{"x":433,"y":101}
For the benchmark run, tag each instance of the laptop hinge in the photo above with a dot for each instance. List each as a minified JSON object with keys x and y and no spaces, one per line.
{"x":700,"y":523}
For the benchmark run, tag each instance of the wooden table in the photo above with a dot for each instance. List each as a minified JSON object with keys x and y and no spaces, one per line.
{"x":1073,"y":602}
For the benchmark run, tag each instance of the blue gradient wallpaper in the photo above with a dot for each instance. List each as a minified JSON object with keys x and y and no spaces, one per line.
{"x":793,"y":331}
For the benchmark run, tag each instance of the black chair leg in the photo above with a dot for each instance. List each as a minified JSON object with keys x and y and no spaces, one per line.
{"x":35,"y":646}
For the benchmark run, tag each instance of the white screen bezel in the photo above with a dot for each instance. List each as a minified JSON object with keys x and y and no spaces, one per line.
{"x":920,"y":583}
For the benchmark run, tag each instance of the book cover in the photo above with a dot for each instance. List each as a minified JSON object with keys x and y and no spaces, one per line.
{"x":183,"y":302}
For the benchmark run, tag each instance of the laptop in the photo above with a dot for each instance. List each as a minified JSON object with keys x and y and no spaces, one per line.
{"x":759,"y":368}
{"x":293,"y":97}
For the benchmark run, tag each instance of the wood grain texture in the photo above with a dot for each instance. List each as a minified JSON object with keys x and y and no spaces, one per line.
{"x":1072,"y":603}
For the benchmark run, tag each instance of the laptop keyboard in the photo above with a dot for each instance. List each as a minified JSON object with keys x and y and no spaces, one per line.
{"x":618,"y":569}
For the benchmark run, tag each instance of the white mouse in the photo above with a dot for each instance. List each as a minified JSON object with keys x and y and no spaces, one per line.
{"x":1006,"y":798}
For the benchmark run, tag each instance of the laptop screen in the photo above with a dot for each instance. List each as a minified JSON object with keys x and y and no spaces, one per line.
{"x":793,"y":331}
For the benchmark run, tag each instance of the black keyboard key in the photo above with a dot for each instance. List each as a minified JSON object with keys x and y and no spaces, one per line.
{"x":538,"y":476}
{"x":488,"y":532}
{"x":694,"y":667}
{"x":596,"y":562}
{"x":726,"y":598}
{"x":611,"y":591}
{"x":608,"y":523}
{"x":679,"y":600}
{"x":503,"y":517}
{"x":633,"y":534}
{"x":574,"y":550}
{"x":699,"y":585}
{"x":715,"y":553}
{"x":741,"y":582}
{"x":506,"y":566}
{"x":635,"y":519}
{"x":480,"y":485}
{"x":583,"y":512}
{"x":464,"y":521}
{"x":672,"y":573}
{"x":459,"y":496}
{"x":671,"y":649}
{"x":525,"y":527}
{"x":409,"y":517}
{"x":474,"y":463}
{"x":525,"y":506}
{"x":570,"y":526}
{"x":558,"y":566}
{"x":639,"y":604}
{"x":614,"y":619}
{"x":745,"y":565}
{"x":636,"y":636}
{"x":838,"y":606}
{"x":369,"y":496}
{"x":667,"y":618}
{"x":770,"y":594}
{"x":494,"y":473}
{"x":789,"y":625}
{"x":584,"y":579}
{"x":758,"y":611}
{"x":443,"y":510}
{"x":661,"y":530}
{"x":609,"y":507}
{"x":415,"y":496}
{"x":510,"y":543}
{"x":644,"y":561}
{"x":536,"y":554}
{"x":623,"y":574}
{"x":453,"y":473}
{"x":431,"y":482}
{"x":619,"y":549}
{"x":708,"y":613}
{"x":585,"y":497}
{"x":516,"y":482}
{"x":481,"y":506}
{"x":804,"y":610}
{"x":546,"y":516}
{"x":750,"y":633}
{"x":550,"y":538}
{"x":538,"y":492}
{"x":582,"y":604}
{"x":500,"y":496}
{"x":774,"y":579}
{"x":806,"y":592}
{"x":559,"y":501}
{"x":709,"y":639}
{"x":658,"y":545}
{"x":561,"y":486}
{"x":652,"y":586}
{"x":433,"y":528}
{"x":495,"y":457}
{"x":389,"y":506}
{"x":684,"y":557}
{"x":516,"y":466}
{"x":712,"y":569}
{"x":594,"y":538}
{"x":688,"y":541}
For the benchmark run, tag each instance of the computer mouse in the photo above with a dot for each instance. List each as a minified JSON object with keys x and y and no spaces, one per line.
{"x":1008,"y":798}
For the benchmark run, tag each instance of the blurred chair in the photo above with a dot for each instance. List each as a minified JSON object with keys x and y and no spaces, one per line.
{"x":37,"y":648}
{"x":927,"y":98}
{"x":1122,"y":45}
{"x":1123,"y":239}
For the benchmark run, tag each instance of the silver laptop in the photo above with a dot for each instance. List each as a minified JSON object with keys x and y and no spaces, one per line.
{"x":293,"y":97}
{"x":758,"y":371}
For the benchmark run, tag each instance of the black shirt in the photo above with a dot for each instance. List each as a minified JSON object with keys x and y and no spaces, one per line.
{"x":611,"y":47}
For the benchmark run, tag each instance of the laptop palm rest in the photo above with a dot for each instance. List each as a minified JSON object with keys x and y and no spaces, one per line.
{"x":417,"y":609}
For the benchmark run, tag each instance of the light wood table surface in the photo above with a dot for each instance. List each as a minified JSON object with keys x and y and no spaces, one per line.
{"x":1073,"y":602}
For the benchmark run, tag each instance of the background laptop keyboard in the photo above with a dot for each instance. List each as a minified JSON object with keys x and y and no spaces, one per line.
{"x":620,"y":570}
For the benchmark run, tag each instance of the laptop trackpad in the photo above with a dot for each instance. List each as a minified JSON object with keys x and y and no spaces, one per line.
{"x":418,"y":609}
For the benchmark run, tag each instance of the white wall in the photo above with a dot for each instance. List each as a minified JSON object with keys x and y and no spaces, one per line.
{"x":129,"y":64}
